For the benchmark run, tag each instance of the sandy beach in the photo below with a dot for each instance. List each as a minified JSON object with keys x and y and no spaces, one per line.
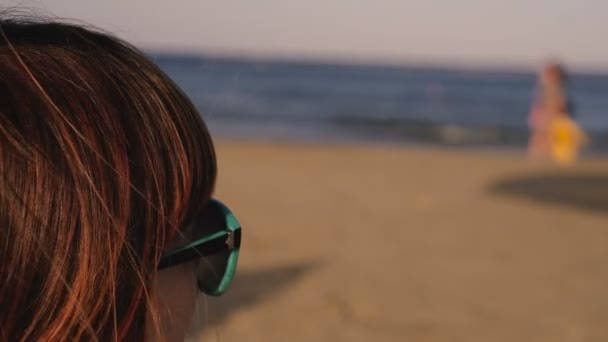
{"x":380,"y":243}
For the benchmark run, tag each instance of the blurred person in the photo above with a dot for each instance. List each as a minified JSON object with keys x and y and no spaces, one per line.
{"x":554,"y":133}
{"x":107,"y":226}
{"x":566,"y":139}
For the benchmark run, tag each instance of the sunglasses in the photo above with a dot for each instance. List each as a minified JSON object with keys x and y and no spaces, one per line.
{"x":216,"y":239}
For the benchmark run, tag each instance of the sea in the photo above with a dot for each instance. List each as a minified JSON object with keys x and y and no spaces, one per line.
{"x":305,"y":101}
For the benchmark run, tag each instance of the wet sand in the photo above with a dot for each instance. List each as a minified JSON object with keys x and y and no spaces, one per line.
{"x":352,"y":243}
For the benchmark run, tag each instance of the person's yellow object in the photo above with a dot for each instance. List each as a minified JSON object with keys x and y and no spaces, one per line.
{"x":567,"y":139}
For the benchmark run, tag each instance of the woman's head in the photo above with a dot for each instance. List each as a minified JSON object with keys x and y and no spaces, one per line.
{"x":103,"y":161}
{"x":553,"y":74}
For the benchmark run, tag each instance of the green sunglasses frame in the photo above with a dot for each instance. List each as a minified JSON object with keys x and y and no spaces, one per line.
{"x":229,"y":238}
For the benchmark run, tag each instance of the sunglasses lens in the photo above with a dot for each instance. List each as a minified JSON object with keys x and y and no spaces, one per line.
{"x":211,"y":271}
{"x":213,"y":268}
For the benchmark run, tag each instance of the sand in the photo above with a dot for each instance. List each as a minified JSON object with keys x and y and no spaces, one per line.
{"x":381,"y":243}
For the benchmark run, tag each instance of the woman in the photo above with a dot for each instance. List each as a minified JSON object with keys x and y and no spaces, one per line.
{"x":107,"y":228}
{"x":553,"y":132}
{"x":550,"y":100}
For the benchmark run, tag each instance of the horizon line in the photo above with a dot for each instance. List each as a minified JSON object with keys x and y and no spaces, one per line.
{"x":463,"y":64}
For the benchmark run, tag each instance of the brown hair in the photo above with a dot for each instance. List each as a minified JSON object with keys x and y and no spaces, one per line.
{"x":556,"y":72}
{"x":101,"y":158}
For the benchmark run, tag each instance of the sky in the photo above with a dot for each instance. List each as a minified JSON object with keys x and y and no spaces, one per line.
{"x":468,"y":32}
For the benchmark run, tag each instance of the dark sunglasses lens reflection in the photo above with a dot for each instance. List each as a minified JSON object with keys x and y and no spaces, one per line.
{"x":211,"y":268}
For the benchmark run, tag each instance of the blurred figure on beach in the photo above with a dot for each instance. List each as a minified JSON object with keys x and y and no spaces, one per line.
{"x":554,"y":134}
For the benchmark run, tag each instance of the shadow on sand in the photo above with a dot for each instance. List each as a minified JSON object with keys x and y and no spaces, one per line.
{"x":251,"y":287}
{"x":585,"y":191}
